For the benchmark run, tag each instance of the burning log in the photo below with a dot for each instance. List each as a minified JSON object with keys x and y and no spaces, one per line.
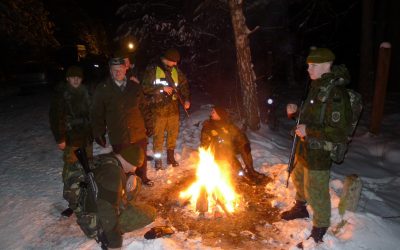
{"x":202,"y":201}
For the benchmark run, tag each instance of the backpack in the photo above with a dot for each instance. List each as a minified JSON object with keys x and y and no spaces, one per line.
{"x":338,"y":150}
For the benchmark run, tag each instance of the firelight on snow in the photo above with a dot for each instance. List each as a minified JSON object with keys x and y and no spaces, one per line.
{"x":212,"y":187}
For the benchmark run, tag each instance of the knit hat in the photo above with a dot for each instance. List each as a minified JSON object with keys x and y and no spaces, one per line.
{"x":74,"y":71}
{"x":221,"y":113}
{"x":133,"y":154}
{"x":320,"y":55}
{"x":172,"y":55}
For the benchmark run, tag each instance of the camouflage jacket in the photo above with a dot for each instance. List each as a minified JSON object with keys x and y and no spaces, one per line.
{"x":225,"y":138}
{"x":124,"y":114}
{"x":163,"y":104}
{"x":69,"y":115}
{"x":329,"y":125}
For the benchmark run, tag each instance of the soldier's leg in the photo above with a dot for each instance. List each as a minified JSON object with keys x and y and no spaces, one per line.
{"x":72,"y":178}
{"x":317,"y":193}
{"x":297,"y":177}
{"x":158,"y":139}
{"x":141,"y":171}
{"x":172,"y":135}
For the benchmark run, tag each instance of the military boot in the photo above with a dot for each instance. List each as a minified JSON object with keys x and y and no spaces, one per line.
{"x":317,"y":233}
{"x":171,"y":158}
{"x":158,"y":164}
{"x":299,"y":210}
{"x":255,"y":176}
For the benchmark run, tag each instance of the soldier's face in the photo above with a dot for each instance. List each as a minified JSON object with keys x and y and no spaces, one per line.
{"x":214,"y":115}
{"x":316,"y":70}
{"x":74,"y":81}
{"x":118,"y":72}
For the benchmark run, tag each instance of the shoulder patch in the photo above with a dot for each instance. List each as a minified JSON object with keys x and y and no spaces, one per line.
{"x":335,"y":116}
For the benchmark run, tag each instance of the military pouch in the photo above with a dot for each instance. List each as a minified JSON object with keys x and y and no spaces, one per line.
{"x":338,"y":152}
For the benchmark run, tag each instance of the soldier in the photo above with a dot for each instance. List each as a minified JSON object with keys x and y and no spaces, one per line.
{"x":312,"y":160}
{"x":119,"y":106}
{"x":116,"y":209}
{"x":227,"y":140}
{"x":70,"y":125}
{"x":167,"y":86}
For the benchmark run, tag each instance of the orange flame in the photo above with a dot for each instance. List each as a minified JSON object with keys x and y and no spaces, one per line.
{"x":216,"y":181}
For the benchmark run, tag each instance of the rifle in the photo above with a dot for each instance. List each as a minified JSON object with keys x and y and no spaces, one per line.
{"x":171,"y":84}
{"x":80,"y":153}
{"x":295,"y":138}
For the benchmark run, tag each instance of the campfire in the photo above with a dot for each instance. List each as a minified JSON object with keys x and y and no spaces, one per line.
{"x":212,"y":192}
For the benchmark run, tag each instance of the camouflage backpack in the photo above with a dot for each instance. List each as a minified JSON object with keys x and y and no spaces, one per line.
{"x":338,"y":150}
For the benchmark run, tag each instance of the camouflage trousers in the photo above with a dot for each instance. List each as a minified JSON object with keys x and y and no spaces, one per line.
{"x":312,"y":186}
{"x":73,"y":176}
{"x":162,"y":124}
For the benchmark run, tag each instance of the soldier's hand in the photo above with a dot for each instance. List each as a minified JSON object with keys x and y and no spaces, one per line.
{"x":101,"y":140}
{"x":187,"y":105}
{"x":61,"y":146}
{"x":301,"y":131}
{"x":168,"y":90}
{"x":291,"y":110}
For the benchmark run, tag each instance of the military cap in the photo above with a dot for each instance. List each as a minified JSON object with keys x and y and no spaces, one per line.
{"x":74,"y":71}
{"x":116,"y":61}
{"x":133,"y":154}
{"x":172,"y":55}
{"x":320,"y":55}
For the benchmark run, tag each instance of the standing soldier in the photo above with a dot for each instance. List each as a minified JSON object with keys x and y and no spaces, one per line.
{"x":119,"y":108}
{"x":70,"y":125}
{"x":323,"y":122}
{"x":167,"y":86}
{"x":227,"y":140}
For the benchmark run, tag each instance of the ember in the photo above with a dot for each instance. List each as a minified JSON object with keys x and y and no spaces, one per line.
{"x":212,"y":191}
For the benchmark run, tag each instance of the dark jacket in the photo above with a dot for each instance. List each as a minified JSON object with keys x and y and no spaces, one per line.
{"x":122,"y":113}
{"x":69,"y":115}
{"x":336,"y":117}
{"x":226,"y":139}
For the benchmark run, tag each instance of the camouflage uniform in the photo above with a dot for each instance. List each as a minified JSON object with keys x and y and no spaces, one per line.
{"x":226,"y":140}
{"x":69,"y":123}
{"x":165,"y":107}
{"x":312,"y":161}
{"x":116,"y":213}
{"x":124,"y":114}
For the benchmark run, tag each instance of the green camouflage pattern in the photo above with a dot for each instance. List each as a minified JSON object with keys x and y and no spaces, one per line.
{"x":69,"y":115}
{"x":162,"y":124}
{"x":227,"y":140}
{"x":116,"y":214}
{"x":73,"y":176}
{"x":312,"y":186}
{"x":336,"y":114}
{"x":124,"y":114}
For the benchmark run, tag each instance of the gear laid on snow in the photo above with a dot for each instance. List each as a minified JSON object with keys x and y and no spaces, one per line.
{"x":298,"y":211}
{"x":157,"y":232}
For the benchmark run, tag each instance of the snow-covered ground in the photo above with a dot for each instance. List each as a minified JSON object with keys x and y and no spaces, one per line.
{"x":31,"y":187}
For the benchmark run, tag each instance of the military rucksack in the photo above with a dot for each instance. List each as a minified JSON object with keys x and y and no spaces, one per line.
{"x":338,"y":150}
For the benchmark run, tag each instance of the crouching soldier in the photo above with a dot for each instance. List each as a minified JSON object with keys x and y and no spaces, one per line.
{"x":115,"y":210}
{"x":227,"y":140}
{"x":70,"y":125}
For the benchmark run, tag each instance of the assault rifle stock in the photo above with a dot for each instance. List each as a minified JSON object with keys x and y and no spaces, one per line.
{"x":80,"y":153}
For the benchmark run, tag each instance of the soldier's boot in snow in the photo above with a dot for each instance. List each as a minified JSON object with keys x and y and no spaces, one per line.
{"x":317,"y":233}
{"x":298,"y":211}
{"x":171,"y":158}
{"x":158,"y":164}
{"x":67,"y":212}
{"x":255,"y":176}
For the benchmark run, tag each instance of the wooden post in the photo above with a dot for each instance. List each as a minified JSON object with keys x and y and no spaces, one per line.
{"x":382,"y":73}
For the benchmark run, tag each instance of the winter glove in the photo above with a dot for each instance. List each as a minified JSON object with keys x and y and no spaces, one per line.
{"x":101,"y":140}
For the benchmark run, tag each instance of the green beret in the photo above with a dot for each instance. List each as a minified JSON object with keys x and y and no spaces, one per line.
{"x":320,"y":55}
{"x":74,"y":71}
{"x":133,"y":154}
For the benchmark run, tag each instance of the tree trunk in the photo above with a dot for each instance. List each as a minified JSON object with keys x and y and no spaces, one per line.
{"x":247,"y":76}
{"x":365,"y":85}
